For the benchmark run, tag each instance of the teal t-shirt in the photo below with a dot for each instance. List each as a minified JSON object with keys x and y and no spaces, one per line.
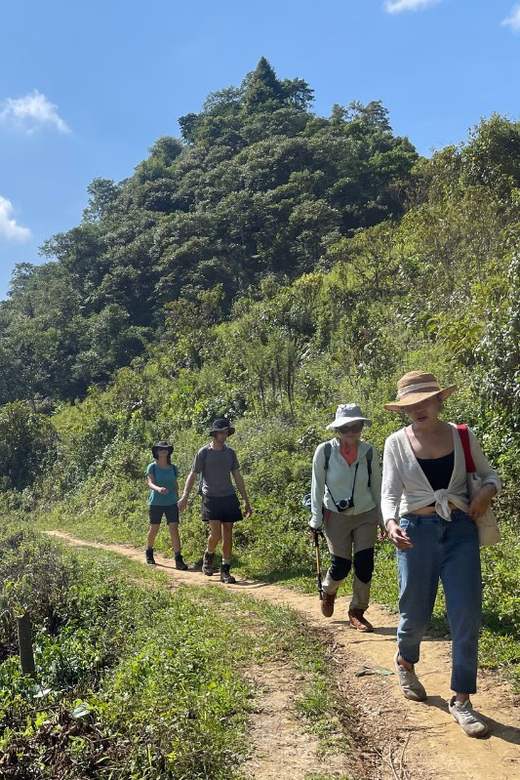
{"x":163,"y":478}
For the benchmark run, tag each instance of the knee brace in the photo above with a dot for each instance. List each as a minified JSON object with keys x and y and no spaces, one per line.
{"x":339,"y":567}
{"x":364,"y":565}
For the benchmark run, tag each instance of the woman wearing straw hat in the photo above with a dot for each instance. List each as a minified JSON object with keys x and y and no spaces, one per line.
{"x":345,"y":498}
{"x":162,"y":481}
{"x":424,"y":484}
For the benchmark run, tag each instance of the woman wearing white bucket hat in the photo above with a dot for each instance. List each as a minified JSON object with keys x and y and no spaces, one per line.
{"x":345,"y":499}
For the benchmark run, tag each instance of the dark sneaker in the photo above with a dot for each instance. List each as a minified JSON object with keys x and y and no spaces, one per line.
{"x":327,"y":604}
{"x":411,"y":686}
{"x":469,"y":721}
{"x":359,"y":622}
{"x":207,"y":564}
{"x":225,"y":576}
{"x":179,"y":563}
{"x":149,"y":556}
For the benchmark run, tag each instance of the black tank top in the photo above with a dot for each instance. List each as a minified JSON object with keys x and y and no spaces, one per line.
{"x":438,"y":471}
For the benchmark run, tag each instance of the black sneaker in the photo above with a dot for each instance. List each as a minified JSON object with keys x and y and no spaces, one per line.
{"x":225,"y":576}
{"x":179,"y":563}
{"x":207,"y":564}
{"x":149,"y":556}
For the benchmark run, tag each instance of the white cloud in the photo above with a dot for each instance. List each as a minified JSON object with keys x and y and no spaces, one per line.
{"x":397,"y":6}
{"x":9,"y":229}
{"x":31,"y":112}
{"x":513,"y":20}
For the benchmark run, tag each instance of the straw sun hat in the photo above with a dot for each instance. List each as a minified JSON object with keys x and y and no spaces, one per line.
{"x":417,"y":386}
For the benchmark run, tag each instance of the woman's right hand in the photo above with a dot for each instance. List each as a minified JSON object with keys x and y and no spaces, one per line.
{"x":163,"y":491}
{"x":398,"y":535}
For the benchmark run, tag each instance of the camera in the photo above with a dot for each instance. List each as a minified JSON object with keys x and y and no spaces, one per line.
{"x":345,"y":503}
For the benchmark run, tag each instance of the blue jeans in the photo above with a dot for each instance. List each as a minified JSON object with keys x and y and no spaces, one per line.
{"x":449,"y":551}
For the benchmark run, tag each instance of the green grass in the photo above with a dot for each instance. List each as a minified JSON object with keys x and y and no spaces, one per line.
{"x":139,"y":681}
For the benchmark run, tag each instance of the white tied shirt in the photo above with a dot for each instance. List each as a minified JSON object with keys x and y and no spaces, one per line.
{"x":406,"y":488}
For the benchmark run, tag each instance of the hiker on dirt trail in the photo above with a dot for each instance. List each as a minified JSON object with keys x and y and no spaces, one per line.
{"x":220,"y":506}
{"x":425,"y":485}
{"x":161,"y":476}
{"x":345,"y":500}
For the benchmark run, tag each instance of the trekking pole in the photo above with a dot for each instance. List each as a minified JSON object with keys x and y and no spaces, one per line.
{"x":318,"y":563}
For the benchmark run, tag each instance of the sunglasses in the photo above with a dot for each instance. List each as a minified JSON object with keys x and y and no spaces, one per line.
{"x":355,"y":428}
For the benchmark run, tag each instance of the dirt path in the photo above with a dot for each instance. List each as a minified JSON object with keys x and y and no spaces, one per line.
{"x":405,"y":739}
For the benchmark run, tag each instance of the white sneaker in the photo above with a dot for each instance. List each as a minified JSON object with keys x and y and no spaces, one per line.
{"x":469,"y":721}
{"x":410,"y":684}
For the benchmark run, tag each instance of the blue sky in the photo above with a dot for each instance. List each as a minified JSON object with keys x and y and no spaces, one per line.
{"x":87,"y":88}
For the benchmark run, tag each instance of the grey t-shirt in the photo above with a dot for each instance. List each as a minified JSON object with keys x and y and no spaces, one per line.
{"x":216,"y":467}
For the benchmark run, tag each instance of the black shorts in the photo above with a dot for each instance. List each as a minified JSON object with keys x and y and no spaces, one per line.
{"x":155,"y":513}
{"x":224,"y":508}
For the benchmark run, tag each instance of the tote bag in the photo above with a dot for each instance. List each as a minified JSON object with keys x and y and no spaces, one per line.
{"x":488,"y":531}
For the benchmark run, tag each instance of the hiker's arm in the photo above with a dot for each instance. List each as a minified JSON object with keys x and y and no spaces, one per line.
{"x":391,"y":492}
{"x":183,"y":500}
{"x":375,"y":489}
{"x":392,"y":485}
{"x":162,"y":490}
{"x":482,"y":500}
{"x":239,"y":482}
{"x":317,"y":488}
{"x":482,"y":465}
{"x":490,"y":479}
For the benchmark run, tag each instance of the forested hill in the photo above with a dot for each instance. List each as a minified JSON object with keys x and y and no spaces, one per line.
{"x":258,"y":185}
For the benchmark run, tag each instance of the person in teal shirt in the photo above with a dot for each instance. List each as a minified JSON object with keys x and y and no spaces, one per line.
{"x":162,"y":481}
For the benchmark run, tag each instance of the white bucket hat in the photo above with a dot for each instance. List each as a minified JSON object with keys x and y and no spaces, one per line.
{"x":348,"y":413}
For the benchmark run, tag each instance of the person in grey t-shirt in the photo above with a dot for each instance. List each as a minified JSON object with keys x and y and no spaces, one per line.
{"x":217,"y":463}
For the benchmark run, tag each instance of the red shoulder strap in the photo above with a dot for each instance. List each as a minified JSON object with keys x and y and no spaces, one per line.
{"x":468,"y":457}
